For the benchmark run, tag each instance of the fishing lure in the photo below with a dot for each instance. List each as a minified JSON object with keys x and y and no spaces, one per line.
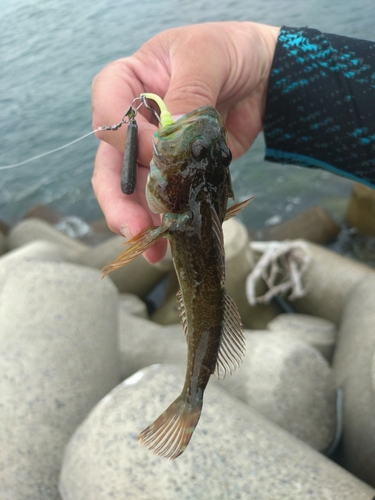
{"x":129,"y":166}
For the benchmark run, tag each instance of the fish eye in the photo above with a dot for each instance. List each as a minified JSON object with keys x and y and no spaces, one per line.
{"x":226,"y":156}
{"x":199,"y":149}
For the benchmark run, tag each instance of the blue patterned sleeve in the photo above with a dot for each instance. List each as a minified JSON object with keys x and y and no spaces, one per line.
{"x":320,"y":108}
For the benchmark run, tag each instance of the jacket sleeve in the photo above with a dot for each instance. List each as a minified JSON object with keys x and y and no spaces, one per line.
{"x":320,"y":107}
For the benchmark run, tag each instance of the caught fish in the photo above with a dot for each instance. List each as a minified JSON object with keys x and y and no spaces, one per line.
{"x":189,"y":183}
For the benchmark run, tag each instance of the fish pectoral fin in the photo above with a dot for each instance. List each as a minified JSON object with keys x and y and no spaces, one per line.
{"x":237,"y":208}
{"x":137,"y":245}
{"x":170,"y":434}
{"x":232,"y":342}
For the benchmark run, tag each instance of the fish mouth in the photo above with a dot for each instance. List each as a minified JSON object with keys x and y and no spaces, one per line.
{"x":179,"y":126}
{"x":156,"y":151}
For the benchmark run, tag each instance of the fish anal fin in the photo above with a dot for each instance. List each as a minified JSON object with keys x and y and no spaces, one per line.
{"x":170,"y":434}
{"x":182,"y":313}
{"x":237,"y":208}
{"x":232,"y":342}
{"x":136,"y":246}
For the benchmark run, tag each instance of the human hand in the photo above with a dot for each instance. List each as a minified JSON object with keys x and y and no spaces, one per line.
{"x":225,"y":65}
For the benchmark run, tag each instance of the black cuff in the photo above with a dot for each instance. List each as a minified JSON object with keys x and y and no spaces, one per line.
{"x":320,"y":109}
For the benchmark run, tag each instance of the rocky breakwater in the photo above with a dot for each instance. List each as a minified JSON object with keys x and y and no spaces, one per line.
{"x":84,"y":369}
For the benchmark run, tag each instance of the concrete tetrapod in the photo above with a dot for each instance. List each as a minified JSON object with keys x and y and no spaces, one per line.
{"x":29,"y":230}
{"x":354,"y":368}
{"x":234,"y":454}
{"x":289,"y":382}
{"x":59,"y":357}
{"x":328,"y":280}
{"x":138,"y":277}
{"x":318,"y":332}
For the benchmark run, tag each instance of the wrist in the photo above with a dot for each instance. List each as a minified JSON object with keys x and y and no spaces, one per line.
{"x":269,"y":35}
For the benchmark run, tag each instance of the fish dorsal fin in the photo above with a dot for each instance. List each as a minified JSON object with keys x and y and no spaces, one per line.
{"x":182,"y":314}
{"x":237,"y":208}
{"x":232,"y":342}
{"x":217,"y":229}
{"x":219,"y":235}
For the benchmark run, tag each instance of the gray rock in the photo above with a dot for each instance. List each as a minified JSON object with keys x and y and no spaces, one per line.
{"x":354,"y":368}
{"x":318,"y":332}
{"x":234,"y":453}
{"x":29,"y":230}
{"x":290,"y":383}
{"x":328,"y":280}
{"x":144,"y":342}
{"x":45,"y":213}
{"x":239,"y":262}
{"x":59,"y":357}
{"x":38,"y":250}
{"x":2,"y":243}
{"x":131,"y":304}
{"x":138,"y":277}
{"x":284,"y":378}
{"x":167,"y":313}
{"x":314,"y":224}
{"x":361,"y":209}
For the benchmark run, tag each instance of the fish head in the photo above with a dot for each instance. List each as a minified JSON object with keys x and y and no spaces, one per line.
{"x":191,"y":160}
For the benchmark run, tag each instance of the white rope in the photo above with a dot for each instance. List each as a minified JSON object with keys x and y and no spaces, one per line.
{"x":281,"y":266}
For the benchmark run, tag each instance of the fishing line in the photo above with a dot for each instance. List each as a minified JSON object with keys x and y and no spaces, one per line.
{"x":164,"y":119}
{"x":34,"y":158}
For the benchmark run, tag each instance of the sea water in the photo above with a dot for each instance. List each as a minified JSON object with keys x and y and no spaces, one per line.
{"x":50,"y":51}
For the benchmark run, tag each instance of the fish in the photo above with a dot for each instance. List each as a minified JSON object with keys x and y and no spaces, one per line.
{"x":189,"y":183}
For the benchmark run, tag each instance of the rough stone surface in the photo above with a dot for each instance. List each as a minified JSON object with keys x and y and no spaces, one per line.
{"x":290,"y":383}
{"x":44,"y":212}
{"x":59,"y":357}
{"x":361,"y":209}
{"x":2,"y":243}
{"x":318,"y":332}
{"x":328,"y":280}
{"x":239,"y":262}
{"x":234,"y":454}
{"x":29,"y":230}
{"x":138,"y":277}
{"x":37,"y":250}
{"x":131,"y":304}
{"x":284,"y":378}
{"x":314,"y":224}
{"x":4,"y":227}
{"x":167,"y":313}
{"x":144,"y":342}
{"x":354,"y":368}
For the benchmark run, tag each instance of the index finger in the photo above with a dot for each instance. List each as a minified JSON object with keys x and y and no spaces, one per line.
{"x":113,"y":91}
{"x":125,"y":214}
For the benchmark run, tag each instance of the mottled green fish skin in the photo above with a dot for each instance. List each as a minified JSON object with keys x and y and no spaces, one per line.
{"x":189,"y":183}
{"x":196,"y":187}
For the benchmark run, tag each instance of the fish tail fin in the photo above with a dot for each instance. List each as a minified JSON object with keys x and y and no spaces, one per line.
{"x":170,"y":434}
{"x":237,"y":208}
{"x":137,"y":245}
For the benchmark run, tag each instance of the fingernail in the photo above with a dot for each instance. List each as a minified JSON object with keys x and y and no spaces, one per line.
{"x":124,"y":230}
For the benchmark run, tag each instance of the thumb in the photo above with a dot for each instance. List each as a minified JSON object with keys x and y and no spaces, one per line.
{"x":194,"y":80}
